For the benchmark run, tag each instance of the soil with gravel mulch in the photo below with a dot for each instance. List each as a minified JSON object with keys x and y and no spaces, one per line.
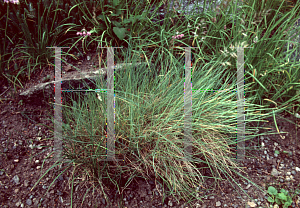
{"x":23,"y":136}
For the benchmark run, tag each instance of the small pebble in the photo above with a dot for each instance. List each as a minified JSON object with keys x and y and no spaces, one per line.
{"x":28,"y":201}
{"x":16,"y":179}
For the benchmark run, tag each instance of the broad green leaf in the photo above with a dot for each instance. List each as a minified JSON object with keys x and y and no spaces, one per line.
{"x":117,"y":24}
{"x":127,"y":21}
{"x":100,"y":17}
{"x":120,"y":32}
{"x":284,"y":191}
{"x":288,"y":203}
{"x":282,"y":196}
{"x":277,"y":201}
{"x":289,"y":199}
{"x":272,"y":190}
{"x":270,"y":199}
{"x":115,"y":3}
{"x":133,"y":19}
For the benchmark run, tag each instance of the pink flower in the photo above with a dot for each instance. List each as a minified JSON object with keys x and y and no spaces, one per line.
{"x":178,"y":36}
{"x":11,"y":1}
{"x":84,"y":33}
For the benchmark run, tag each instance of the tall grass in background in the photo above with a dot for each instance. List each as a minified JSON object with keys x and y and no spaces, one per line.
{"x":265,"y":26}
{"x":275,"y":75}
{"x":27,"y":29}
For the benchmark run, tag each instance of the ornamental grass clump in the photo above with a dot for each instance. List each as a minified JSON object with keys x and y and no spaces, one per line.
{"x":149,"y":136}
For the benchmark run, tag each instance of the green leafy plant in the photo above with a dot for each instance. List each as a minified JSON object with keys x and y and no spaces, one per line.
{"x":115,"y":23}
{"x":119,"y":26}
{"x":27,"y":30}
{"x":111,"y":20}
{"x":283,"y":152}
{"x":279,"y":198}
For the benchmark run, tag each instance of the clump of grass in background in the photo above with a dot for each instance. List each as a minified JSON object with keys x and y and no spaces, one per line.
{"x":27,"y":28}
